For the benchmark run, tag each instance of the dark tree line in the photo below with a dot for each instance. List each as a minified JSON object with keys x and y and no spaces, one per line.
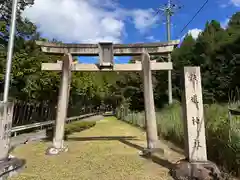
{"x":216,"y":51}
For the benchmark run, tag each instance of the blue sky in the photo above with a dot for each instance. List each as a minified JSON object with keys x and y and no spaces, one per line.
{"x":213,"y":10}
{"x":122,"y":21}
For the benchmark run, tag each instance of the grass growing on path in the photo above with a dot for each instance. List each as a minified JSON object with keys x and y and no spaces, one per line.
{"x":99,"y":153}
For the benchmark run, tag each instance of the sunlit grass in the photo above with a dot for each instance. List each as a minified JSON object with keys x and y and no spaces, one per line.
{"x":103,"y":158}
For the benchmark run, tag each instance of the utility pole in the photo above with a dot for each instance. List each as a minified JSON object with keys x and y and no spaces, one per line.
{"x":10,"y":50}
{"x":168,"y":10}
{"x":168,"y":15}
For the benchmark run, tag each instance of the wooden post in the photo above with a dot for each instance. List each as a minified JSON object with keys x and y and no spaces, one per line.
{"x":6,"y":114}
{"x":150,"y":116}
{"x":62,"y":102}
{"x":193,"y":117}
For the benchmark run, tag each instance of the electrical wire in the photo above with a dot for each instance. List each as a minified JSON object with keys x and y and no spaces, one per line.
{"x":200,"y":9}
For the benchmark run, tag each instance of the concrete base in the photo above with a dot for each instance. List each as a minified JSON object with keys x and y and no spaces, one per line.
{"x":11,"y":167}
{"x":55,"y":151}
{"x":196,"y":171}
{"x":150,"y":152}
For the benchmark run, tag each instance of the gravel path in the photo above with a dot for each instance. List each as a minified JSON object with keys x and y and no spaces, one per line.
{"x":108,"y":151}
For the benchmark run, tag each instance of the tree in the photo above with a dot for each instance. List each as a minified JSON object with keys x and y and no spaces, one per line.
{"x":24,"y":28}
{"x":182,"y":56}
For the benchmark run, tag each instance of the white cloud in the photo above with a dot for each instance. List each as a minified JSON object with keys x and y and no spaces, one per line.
{"x":227,"y":3}
{"x":150,"y":38}
{"x":143,"y":19}
{"x":224,"y":24}
{"x":235,"y":2}
{"x":223,"y":5}
{"x":85,"y":20}
{"x":75,"y":21}
{"x":194,"y":32}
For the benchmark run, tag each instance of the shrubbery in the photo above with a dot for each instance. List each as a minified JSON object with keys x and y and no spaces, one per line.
{"x":223,"y":139}
{"x":76,"y":126}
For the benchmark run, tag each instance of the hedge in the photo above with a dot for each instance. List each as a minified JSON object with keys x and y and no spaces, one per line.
{"x":76,"y":126}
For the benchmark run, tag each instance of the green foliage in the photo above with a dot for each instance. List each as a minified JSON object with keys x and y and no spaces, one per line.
{"x":29,"y":83}
{"x":24,"y":28}
{"x":216,"y":51}
{"x":76,"y":126}
{"x":223,"y":141}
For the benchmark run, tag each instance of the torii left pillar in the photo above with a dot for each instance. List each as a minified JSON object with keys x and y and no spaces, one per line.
{"x":63,"y":98}
{"x":150,"y":115}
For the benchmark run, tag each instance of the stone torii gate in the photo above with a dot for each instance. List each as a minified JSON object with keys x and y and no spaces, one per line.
{"x":106,"y":51}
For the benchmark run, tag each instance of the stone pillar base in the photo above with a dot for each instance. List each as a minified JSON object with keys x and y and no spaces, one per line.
{"x":184,"y":169}
{"x":10,"y":167}
{"x":56,"y":151}
{"x":150,"y":152}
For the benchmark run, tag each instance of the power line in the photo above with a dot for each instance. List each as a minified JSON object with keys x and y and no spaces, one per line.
{"x":200,"y":9}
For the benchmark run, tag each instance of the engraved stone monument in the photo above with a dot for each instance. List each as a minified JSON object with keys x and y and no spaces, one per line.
{"x":6,"y":113}
{"x":8,"y":163}
{"x":195,"y":141}
{"x":196,"y":165}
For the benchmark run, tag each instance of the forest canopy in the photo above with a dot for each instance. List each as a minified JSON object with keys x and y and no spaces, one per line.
{"x":216,"y":51}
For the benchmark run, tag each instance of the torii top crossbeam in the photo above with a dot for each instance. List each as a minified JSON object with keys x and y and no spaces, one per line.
{"x":118,"y":49}
{"x":106,"y":52}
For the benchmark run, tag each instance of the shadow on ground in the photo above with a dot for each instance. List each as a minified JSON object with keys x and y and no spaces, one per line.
{"x":126,"y":140}
{"x":163,"y":162}
{"x":178,"y":150}
{"x":102,"y":138}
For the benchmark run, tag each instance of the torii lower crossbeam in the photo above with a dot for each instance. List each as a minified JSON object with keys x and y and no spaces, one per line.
{"x":117,"y":67}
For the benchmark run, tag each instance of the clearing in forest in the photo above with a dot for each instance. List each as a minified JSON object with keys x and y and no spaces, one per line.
{"x":108,"y":151}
